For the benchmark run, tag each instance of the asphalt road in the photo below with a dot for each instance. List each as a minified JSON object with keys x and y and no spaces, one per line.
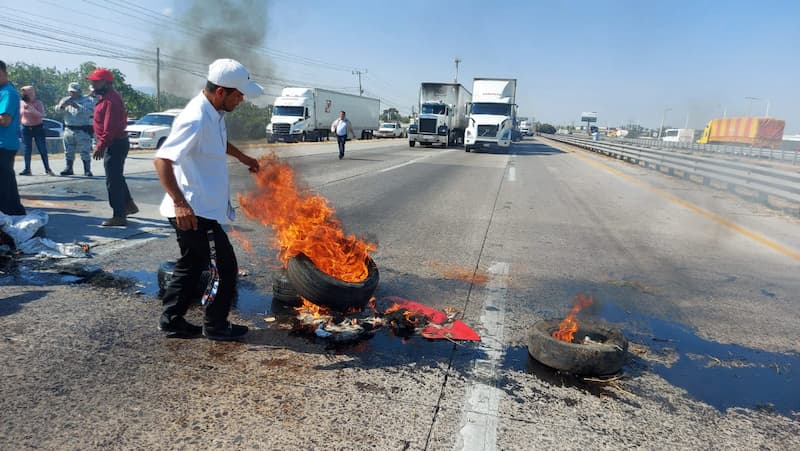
{"x":703,"y":283}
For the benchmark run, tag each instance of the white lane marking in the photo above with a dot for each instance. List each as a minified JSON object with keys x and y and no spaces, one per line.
{"x":391,"y":168}
{"x":479,"y":423}
{"x":512,"y":174}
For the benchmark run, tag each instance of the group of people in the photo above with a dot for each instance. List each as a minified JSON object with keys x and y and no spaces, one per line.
{"x":101,"y":118}
{"x":192,"y":168}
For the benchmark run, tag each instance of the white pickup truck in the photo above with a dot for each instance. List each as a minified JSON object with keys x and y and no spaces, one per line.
{"x":151,"y":130}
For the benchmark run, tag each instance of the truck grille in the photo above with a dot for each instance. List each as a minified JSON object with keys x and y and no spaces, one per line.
{"x":487,"y":131}
{"x":427,"y":126}
{"x":280,"y":129}
{"x":134,"y":134}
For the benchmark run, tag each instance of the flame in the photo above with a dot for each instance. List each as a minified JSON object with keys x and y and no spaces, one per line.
{"x":304,"y":222}
{"x":310,"y":308}
{"x":244,"y":242}
{"x":569,"y":325}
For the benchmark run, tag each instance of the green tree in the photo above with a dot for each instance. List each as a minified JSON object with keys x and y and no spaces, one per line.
{"x":545,"y":128}
{"x":247,"y":121}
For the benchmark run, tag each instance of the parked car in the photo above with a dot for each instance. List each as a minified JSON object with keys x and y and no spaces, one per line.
{"x":390,"y":130}
{"x":53,"y":128}
{"x":132,"y":121}
{"x":151,"y":130}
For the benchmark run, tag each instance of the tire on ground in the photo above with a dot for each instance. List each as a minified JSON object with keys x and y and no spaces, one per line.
{"x":580,"y":359}
{"x":283,"y":291}
{"x":322,"y":289}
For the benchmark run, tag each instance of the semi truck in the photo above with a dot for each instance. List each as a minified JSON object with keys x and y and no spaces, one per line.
{"x":746,"y":131}
{"x":492,"y":113}
{"x":306,"y":114}
{"x":443,"y":115}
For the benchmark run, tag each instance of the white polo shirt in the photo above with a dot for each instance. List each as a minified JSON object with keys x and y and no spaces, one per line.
{"x":196,"y":146}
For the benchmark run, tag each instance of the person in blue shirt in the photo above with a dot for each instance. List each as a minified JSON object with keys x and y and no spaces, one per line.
{"x":9,"y":145}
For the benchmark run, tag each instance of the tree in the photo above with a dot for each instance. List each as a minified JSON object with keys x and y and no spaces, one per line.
{"x":545,"y":128}
{"x":391,"y":115}
{"x":247,"y":121}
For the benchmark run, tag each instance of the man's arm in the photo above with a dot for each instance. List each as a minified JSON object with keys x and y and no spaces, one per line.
{"x":184,"y":215}
{"x":5,"y":120}
{"x":250,"y":162}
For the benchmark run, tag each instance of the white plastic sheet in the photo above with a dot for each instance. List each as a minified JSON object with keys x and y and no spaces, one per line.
{"x":22,"y":230}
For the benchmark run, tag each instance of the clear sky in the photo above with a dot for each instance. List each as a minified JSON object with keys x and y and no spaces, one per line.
{"x":627,"y":60}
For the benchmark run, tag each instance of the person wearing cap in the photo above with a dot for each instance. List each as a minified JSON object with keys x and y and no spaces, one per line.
{"x":192,"y":167}
{"x":9,"y":145}
{"x":109,"y":123}
{"x":78,"y":129}
{"x":32,"y":119}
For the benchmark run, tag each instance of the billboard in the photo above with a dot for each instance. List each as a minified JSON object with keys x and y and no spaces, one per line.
{"x":589,"y":117}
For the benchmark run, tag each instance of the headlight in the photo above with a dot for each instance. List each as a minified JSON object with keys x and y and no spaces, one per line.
{"x":442,"y":130}
{"x":149,"y":134}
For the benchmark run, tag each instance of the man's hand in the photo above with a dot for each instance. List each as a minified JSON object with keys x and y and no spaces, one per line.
{"x":184,"y":216}
{"x":251,"y":163}
{"x":99,"y":154}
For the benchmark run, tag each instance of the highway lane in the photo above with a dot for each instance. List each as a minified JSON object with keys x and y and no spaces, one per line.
{"x":509,"y":238}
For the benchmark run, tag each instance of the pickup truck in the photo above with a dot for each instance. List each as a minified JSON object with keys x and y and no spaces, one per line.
{"x":390,"y":130}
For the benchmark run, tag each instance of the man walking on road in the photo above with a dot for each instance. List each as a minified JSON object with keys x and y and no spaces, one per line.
{"x":78,"y":129}
{"x":110,"y":121}
{"x":9,"y":145}
{"x":192,"y":167}
{"x":343,"y":128}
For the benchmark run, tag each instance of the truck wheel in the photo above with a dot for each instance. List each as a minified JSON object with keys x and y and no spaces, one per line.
{"x":412,"y":143}
{"x":467,"y":148}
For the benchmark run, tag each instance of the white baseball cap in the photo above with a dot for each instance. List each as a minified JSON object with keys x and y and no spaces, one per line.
{"x":230,"y":73}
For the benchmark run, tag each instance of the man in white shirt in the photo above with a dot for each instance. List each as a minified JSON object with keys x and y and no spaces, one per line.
{"x":192,"y":167}
{"x":342,"y":127}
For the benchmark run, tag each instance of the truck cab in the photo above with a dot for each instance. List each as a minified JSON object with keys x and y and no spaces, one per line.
{"x":290,"y":117}
{"x":492,"y":114}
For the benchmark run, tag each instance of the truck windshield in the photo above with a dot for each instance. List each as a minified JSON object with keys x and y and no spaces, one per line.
{"x":156,"y":119}
{"x":279,"y":110}
{"x":498,"y":109}
{"x":433,"y":108}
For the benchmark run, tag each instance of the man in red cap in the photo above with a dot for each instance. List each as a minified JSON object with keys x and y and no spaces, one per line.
{"x":110,"y":120}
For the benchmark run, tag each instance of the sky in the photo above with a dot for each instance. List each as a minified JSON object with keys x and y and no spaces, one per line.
{"x":629,"y":61}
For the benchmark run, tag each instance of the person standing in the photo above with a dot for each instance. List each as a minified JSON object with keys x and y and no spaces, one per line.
{"x":343,"y":128}
{"x":32,"y":119}
{"x":192,"y":167}
{"x":78,"y":129}
{"x":9,"y":145}
{"x":109,"y":123}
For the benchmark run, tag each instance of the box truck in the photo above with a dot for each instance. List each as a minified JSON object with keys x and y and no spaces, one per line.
{"x":443,"y":115}
{"x":306,"y":114}
{"x":492,"y":113}
{"x":747,"y":131}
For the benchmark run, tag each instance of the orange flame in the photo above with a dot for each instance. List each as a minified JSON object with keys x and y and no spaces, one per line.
{"x":312,"y":309}
{"x":569,"y":325}
{"x":244,"y":242}
{"x":304,"y":222}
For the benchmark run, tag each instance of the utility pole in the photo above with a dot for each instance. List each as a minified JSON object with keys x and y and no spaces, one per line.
{"x":457,"y":61}
{"x":663,"y":116}
{"x":158,"y":79}
{"x":358,"y":72}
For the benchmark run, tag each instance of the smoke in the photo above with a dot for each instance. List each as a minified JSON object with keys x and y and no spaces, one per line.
{"x":211,"y":30}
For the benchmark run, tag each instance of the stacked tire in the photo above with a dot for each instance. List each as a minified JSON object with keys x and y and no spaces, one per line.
{"x":283,"y":291}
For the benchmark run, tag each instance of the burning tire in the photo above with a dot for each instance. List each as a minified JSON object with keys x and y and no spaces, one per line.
{"x":283,"y":291}
{"x":322,"y":289}
{"x":164,"y":276}
{"x":604,"y":354}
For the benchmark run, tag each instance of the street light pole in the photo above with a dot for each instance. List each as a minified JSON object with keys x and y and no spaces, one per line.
{"x":663,"y":117}
{"x":767,"y":113}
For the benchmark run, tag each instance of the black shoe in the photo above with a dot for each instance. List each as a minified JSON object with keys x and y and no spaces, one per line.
{"x":25,"y":172}
{"x":180,"y":328}
{"x":131,"y":209}
{"x":341,"y":155}
{"x":67,"y":171}
{"x":88,"y":174}
{"x":229,"y":332}
{"x":114,"y":222}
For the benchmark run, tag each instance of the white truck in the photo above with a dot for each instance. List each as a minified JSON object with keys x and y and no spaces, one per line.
{"x":492,"y":113}
{"x":306,"y":114}
{"x":151,"y":130}
{"x":443,"y":115}
{"x":680,"y":135}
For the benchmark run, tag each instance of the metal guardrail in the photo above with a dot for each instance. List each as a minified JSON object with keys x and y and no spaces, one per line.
{"x":764,"y":181}
{"x":792,"y":155}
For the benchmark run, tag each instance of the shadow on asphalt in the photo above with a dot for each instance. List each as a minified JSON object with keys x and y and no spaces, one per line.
{"x":522,"y":149}
{"x":12,"y":304}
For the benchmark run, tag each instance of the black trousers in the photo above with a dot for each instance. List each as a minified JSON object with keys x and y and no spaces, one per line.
{"x":114,"y":164}
{"x":341,"y":140}
{"x":9,"y":193}
{"x":182,"y":290}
